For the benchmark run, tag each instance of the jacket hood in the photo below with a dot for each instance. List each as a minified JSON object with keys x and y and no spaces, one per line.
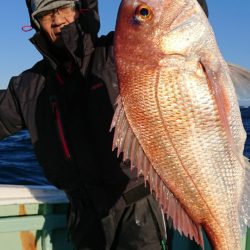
{"x":89,"y":15}
{"x":75,"y":48}
{"x":78,"y":38}
{"x":39,"y":6}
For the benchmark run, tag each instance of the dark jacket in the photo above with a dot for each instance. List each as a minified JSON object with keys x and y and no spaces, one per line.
{"x":68,"y":114}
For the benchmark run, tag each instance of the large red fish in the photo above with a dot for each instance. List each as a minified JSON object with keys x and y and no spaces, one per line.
{"x":178,"y":118}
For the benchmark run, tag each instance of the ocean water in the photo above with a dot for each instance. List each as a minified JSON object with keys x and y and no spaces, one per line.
{"x":18,"y":164}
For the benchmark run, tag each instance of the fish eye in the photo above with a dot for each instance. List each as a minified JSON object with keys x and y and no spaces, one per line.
{"x":143,"y":13}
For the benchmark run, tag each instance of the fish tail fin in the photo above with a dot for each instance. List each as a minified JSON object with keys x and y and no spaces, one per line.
{"x":245,"y":201}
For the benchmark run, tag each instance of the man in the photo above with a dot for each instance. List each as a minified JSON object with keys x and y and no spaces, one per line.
{"x":66,"y":102}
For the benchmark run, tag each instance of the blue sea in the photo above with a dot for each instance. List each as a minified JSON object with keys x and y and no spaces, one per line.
{"x":18,"y":164}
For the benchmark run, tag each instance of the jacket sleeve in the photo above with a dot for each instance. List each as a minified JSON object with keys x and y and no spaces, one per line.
{"x":11,"y":120}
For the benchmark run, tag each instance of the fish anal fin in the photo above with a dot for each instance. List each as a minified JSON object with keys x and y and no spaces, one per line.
{"x":178,"y":216}
{"x":127,"y":143}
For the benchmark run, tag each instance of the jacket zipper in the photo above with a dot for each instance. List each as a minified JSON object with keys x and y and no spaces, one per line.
{"x":59,"y":125}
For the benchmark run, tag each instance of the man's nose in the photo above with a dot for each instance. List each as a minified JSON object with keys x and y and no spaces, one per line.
{"x":58,"y":19}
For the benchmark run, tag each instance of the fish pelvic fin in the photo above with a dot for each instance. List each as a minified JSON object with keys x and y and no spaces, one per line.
{"x":126,"y":142}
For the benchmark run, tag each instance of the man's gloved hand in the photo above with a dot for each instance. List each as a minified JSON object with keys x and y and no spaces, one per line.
{"x":90,"y":18}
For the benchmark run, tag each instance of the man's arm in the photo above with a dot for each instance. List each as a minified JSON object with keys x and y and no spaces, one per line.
{"x":11,"y":120}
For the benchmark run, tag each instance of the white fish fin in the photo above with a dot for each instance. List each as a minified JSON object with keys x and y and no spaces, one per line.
{"x":241,"y":81}
{"x":116,"y":120}
{"x":116,"y":114}
{"x":126,"y":142}
{"x":245,"y":201}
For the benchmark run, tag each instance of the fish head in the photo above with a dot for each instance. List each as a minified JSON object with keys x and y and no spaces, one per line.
{"x":149,"y":30}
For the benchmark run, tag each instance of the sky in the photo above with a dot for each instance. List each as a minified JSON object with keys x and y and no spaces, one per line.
{"x":230,"y":20}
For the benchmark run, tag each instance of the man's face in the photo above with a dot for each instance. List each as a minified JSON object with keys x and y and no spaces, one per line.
{"x":52,"y":21}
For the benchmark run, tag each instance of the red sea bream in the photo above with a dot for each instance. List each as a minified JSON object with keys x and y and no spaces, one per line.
{"x":178,"y":118}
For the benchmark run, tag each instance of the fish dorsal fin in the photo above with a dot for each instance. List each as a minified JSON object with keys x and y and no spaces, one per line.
{"x":125,"y":141}
{"x":241,"y":81}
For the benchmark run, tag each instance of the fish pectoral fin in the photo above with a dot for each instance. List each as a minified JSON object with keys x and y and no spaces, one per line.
{"x":216,"y":81}
{"x":125,"y":141}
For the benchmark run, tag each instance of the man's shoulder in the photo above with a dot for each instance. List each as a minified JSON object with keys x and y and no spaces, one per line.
{"x":29,"y":82}
{"x":39,"y":68}
{"x":32,"y":75}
